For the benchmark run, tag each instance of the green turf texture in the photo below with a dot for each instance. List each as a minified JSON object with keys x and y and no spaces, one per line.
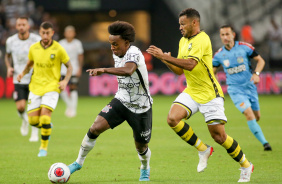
{"x":114,"y":158}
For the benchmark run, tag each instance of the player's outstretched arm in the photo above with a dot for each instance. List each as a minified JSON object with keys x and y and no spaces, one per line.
{"x":187,"y":64}
{"x":27,"y":68}
{"x":128,"y":69}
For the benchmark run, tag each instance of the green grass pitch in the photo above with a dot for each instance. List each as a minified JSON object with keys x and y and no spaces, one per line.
{"x":114,"y":158}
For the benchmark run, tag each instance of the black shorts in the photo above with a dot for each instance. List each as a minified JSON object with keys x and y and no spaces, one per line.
{"x":116,"y":113}
{"x":73,"y":80}
{"x":21,"y":92}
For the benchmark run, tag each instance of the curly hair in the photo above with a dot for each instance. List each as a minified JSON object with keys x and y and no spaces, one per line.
{"x":190,"y":13}
{"x":124,"y":29}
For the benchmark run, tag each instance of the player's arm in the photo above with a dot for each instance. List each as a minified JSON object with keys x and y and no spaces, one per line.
{"x":8,"y":62}
{"x":186,"y":64}
{"x":63,"y":84}
{"x":128,"y":69}
{"x":259,"y":68}
{"x":80,"y":62}
{"x":215,"y":69}
{"x":26,"y":70}
{"x":172,"y":67}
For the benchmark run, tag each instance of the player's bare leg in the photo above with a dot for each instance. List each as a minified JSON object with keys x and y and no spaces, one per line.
{"x":20,"y":104}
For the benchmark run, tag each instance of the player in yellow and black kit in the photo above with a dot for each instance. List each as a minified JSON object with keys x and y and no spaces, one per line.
{"x":203,"y":93}
{"x":46,"y":58}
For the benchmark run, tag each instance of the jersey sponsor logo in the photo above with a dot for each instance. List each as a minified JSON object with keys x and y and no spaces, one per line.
{"x":226,"y":62}
{"x":45,"y":65}
{"x":236,"y":69}
{"x":240,"y":59}
{"x":243,"y":105}
{"x":107,"y":108}
{"x":145,"y":133}
{"x":189,"y":46}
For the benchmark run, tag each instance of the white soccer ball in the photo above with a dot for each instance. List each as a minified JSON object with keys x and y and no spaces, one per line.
{"x":59,"y":173}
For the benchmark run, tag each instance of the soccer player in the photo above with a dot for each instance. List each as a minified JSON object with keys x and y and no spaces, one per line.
{"x":74,"y":49}
{"x":235,"y":58}
{"x":46,"y":58}
{"x":17,"y":47}
{"x":132,"y":101}
{"x":203,"y":93}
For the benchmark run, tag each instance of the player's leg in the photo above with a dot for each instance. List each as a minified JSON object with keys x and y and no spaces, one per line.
{"x":183,"y":107}
{"x":20,"y":96}
{"x":66,"y":98}
{"x":73,"y":96}
{"x":109,"y":117}
{"x":216,"y":119}
{"x":34,"y":109}
{"x":141,"y":125}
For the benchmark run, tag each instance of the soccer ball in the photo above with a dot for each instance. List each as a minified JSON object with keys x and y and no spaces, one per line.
{"x":59,"y":173}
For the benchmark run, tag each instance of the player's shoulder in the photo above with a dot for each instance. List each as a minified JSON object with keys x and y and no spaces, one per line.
{"x":245,"y":44}
{"x":218,"y":52}
{"x":133,"y":49}
{"x":12,"y":38}
{"x":35,"y":36}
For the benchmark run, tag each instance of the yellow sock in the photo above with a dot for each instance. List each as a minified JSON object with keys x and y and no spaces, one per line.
{"x":45,"y":131}
{"x":184,"y":131}
{"x":235,"y":151}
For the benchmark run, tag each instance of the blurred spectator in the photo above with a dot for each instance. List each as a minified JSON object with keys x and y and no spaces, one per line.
{"x":247,"y":33}
{"x":275,"y":44}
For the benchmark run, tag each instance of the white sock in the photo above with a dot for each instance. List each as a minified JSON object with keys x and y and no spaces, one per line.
{"x":73,"y":100}
{"x":86,"y":146}
{"x":23,"y":115}
{"x":64,"y":95}
{"x":145,"y":159}
{"x":34,"y":131}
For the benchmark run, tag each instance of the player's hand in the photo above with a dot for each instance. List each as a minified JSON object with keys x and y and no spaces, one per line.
{"x":96,"y":72}
{"x":19,"y":77}
{"x":63,"y":84}
{"x":155,"y":51}
{"x":10,"y":72}
{"x":255,"y":78}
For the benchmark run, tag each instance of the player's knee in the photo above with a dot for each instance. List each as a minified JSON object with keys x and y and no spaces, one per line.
{"x":45,"y":120}
{"x":21,"y":109}
{"x":33,"y":120}
{"x":172,"y":121}
{"x":95,"y":130}
{"x":219,"y":138}
{"x":141,"y":148}
{"x":257,"y":117}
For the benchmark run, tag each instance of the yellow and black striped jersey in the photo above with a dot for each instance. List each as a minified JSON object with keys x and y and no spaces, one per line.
{"x":202,"y":85}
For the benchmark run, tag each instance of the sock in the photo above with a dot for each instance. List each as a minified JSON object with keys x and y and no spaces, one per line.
{"x":256,"y":130}
{"x":34,"y":131}
{"x":187,"y":134}
{"x":73,"y":100}
{"x":87,"y":144}
{"x":23,"y":115}
{"x":45,"y":131}
{"x":34,"y":121}
{"x":145,"y":159}
{"x":235,"y":151}
{"x":64,"y":95}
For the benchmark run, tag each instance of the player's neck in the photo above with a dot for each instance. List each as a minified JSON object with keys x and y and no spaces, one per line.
{"x":69,"y":40}
{"x":47,"y":45}
{"x":23,"y":36}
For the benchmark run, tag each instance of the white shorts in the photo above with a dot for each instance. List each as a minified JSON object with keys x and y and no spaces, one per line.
{"x":48,"y":100}
{"x":213,"y":111}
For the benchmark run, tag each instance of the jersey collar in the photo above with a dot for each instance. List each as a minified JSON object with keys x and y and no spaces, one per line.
{"x":189,"y":38}
{"x":48,"y":46}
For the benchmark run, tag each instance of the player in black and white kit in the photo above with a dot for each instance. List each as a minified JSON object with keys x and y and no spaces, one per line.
{"x":132,"y":101}
{"x":17,"y":47}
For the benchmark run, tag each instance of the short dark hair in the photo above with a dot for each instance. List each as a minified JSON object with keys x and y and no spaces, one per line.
{"x":228,"y":26}
{"x":46,"y":25}
{"x":190,"y":13}
{"x":124,"y":29}
{"x":23,"y":17}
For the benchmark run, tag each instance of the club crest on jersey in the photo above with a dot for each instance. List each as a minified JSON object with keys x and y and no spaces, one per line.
{"x":240,"y":59}
{"x":106,"y":109}
{"x":52,"y":56}
{"x":226,"y":63}
{"x":190,"y":46}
